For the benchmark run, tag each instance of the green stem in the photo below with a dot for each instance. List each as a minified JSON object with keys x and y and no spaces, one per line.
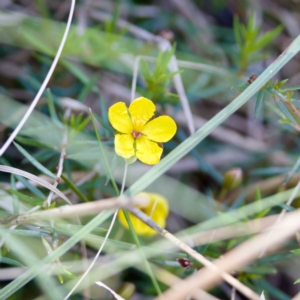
{"x":73,"y":187}
{"x":137,"y":242}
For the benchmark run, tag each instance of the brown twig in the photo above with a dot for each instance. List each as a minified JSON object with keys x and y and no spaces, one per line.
{"x":171,"y":280}
{"x":228,"y":278}
{"x":266,"y":187}
{"x":238,"y":257}
{"x":81,"y":209}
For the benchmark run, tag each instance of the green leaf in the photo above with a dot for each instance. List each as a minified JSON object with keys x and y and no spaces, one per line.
{"x":275,"y":257}
{"x":37,"y":269}
{"x":32,"y":39}
{"x":51,"y":107}
{"x":167,"y":263}
{"x":30,"y":187}
{"x":180,"y":151}
{"x":32,"y":160}
{"x":15,"y":198}
{"x":241,"y":87}
{"x":251,"y":23}
{"x":104,"y":124}
{"x":88,"y":88}
{"x":267,"y":38}
{"x":291,"y":88}
{"x":297,"y":281}
{"x":11,"y":262}
{"x":73,"y":187}
{"x":30,"y":233}
{"x":236,"y":30}
{"x":145,"y":70}
{"x":296,"y":251}
{"x":286,"y":207}
{"x":30,"y":142}
{"x":271,"y":289}
{"x":26,"y":198}
{"x":78,"y":73}
{"x":259,"y":101}
{"x":257,"y":193}
{"x":285,"y":111}
{"x":292,"y":171}
{"x":260,"y":269}
{"x":93,"y":240}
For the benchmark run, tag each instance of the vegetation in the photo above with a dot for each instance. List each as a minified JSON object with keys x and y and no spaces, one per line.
{"x":149,"y":151}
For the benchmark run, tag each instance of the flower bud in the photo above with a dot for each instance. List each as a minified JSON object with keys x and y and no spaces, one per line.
{"x":126,"y":290}
{"x":232,"y":179}
{"x":185,"y":263}
{"x":131,"y":160}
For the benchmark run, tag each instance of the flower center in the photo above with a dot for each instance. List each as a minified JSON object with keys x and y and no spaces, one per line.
{"x":136,"y":134}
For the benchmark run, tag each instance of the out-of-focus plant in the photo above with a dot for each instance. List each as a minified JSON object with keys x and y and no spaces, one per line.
{"x":287,"y":106}
{"x":251,"y":43}
{"x":157,"y":80}
{"x":57,"y":266}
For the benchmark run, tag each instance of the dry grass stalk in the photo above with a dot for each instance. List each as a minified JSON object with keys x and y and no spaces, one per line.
{"x":81,"y":209}
{"x":237,"y":258}
{"x":228,"y":278}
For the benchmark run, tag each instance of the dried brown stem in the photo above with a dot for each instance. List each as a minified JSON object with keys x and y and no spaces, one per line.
{"x":228,"y":278}
{"x":237,"y":258}
{"x":82,"y":209}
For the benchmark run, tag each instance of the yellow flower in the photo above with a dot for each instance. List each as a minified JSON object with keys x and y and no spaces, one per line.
{"x":138,"y":135}
{"x":157,"y":209}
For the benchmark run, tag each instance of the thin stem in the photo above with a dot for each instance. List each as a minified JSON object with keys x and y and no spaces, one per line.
{"x":61,"y":158}
{"x":2,"y":241}
{"x":134,"y":76}
{"x":104,"y":240}
{"x":137,"y":242}
{"x":82,"y":209}
{"x":44,"y":84}
{"x":104,"y":157}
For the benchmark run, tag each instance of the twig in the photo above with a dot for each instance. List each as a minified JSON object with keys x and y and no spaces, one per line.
{"x":231,"y":280}
{"x":239,"y":256}
{"x":171,"y":280}
{"x":266,"y":186}
{"x":44,"y":84}
{"x":283,"y":212}
{"x":61,"y":158}
{"x":82,"y":209}
{"x":229,"y":232}
{"x":34,"y":178}
{"x":3,"y":239}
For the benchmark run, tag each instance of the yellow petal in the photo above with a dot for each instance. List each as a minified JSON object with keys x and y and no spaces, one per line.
{"x":147,"y":151}
{"x":160,"y":130}
{"x":140,"y":227}
{"x":141,"y":111}
{"x":124,"y":145}
{"x":119,"y":118}
{"x":157,"y":209}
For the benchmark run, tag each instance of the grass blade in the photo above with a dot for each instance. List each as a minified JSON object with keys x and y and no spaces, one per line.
{"x":32,"y":160}
{"x":213,"y":123}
